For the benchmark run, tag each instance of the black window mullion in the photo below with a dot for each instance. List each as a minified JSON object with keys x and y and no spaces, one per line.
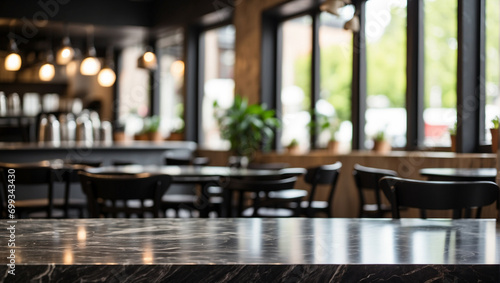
{"x":315,"y":75}
{"x":469,"y":74}
{"x":194,"y":83}
{"x":358,"y":101}
{"x":415,"y":74}
{"x":278,"y":86}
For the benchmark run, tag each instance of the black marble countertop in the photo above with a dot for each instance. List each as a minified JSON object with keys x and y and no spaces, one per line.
{"x":256,"y":241}
{"x":253,"y":250}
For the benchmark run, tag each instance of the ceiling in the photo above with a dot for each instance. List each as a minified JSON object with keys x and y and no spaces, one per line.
{"x":37,"y":26}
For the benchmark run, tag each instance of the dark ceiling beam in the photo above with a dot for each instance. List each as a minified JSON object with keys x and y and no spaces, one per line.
{"x":96,"y":12}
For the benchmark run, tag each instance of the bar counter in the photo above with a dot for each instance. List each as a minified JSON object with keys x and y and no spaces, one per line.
{"x":139,"y":152}
{"x":253,"y":250}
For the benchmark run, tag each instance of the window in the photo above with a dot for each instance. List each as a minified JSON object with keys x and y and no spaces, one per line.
{"x":335,"y":77}
{"x":316,"y":63}
{"x":386,"y":71}
{"x":134,"y":91}
{"x":171,"y":70}
{"x":296,"y":80}
{"x":492,"y":81}
{"x":440,"y":85}
{"x":218,"y":57}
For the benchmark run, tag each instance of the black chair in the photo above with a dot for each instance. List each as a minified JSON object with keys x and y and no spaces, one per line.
{"x":289,"y":199}
{"x":367,"y":179}
{"x":111,"y":195}
{"x":69,"y":177}
{"x":317,"y":177}
{"x":34,"y":176}
{"x":439,"y":195}
{"x":184,"y":193}
{"x":257,"y":185}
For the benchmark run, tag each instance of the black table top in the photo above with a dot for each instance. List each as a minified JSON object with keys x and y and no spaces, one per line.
{"x":185,"y":171}
{"x":255,"y":241}
{"x":457,"y":174}
{"x":253,"y":250}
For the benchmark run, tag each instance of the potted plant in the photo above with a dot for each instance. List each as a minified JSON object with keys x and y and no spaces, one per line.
{"x":494,"y":134}
{"x":150,"y":129}
{"x":333,"y":144}
{"x":177,"y":133}
{"x":380,"y":143}
{"x":293,"y":147}
{"x":248,"y":127}
{"x":330,"y":124}
{"x":453,"y":137}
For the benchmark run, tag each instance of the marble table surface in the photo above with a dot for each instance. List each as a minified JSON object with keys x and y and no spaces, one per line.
{"x":319,"y":247}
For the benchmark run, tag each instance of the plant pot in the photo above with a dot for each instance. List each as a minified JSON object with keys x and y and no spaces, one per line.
{"x":141,"y":137}
{"x":176,"y":137}
{"x":453,"y":139}
{"x":381,"y":146}
{"x":155,"y":136}
{"x":293,"y":150}
{"x":494,"y":140}
{"x":333,"y":147}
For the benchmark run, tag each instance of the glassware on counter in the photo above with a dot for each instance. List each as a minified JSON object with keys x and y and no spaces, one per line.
{"x":50,"y":102}
{"x":31,"y":104}
{"x":14,"y":104}
{"x":3,"y":104}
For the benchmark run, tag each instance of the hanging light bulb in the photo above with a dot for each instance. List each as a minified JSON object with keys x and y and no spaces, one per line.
{"x":47,"y":72}
{"x":352,"y":24}
{"x":177,"y":69}
{"x":332,"y":6}
{"x":13,"y":61}
{"x":147,"y":60}
{"x":90,"y":66}
{"x":66,"y":53}
{"x":107,"y":76}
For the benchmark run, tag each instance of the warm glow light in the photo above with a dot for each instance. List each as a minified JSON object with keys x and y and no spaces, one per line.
{"x":71,"y":68}
{"x":81,"y":235}
{"x":106,"y":77}
{"x":68,"y":256}
{"x":47,"y":72}
{"x":65,"y":55}
{"x":13,"y":62}
{"x":90,"y":66}
{"x":177,"y":69}
{"x":149,"y":57}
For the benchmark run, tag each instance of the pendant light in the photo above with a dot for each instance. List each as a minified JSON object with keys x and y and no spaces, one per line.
{"x":90,"y":65}
{"x":147,"y":60}
{"x":107,"y":76}
{"x":47,"y":70}
{"x":66,"y":53}
{"x":13,"y":61}
{"x":177,"y":69}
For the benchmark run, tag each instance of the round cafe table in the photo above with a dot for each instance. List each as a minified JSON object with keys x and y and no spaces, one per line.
{"x":204,"y":175}
{"x":459,"y":174}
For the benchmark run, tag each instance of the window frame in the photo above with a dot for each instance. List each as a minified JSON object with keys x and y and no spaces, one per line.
{"x":470,"y":85}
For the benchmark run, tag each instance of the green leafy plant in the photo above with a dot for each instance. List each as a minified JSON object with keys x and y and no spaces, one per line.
{"x":151,"y":124}
{"x":496,"y":122}
{"x":453,"y":129}
{"x":179,"y":121}
{"x":379,"y":136}
{"x":247,"y":127}
{"x":325,"y":123}
{"x":293,"y":143}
